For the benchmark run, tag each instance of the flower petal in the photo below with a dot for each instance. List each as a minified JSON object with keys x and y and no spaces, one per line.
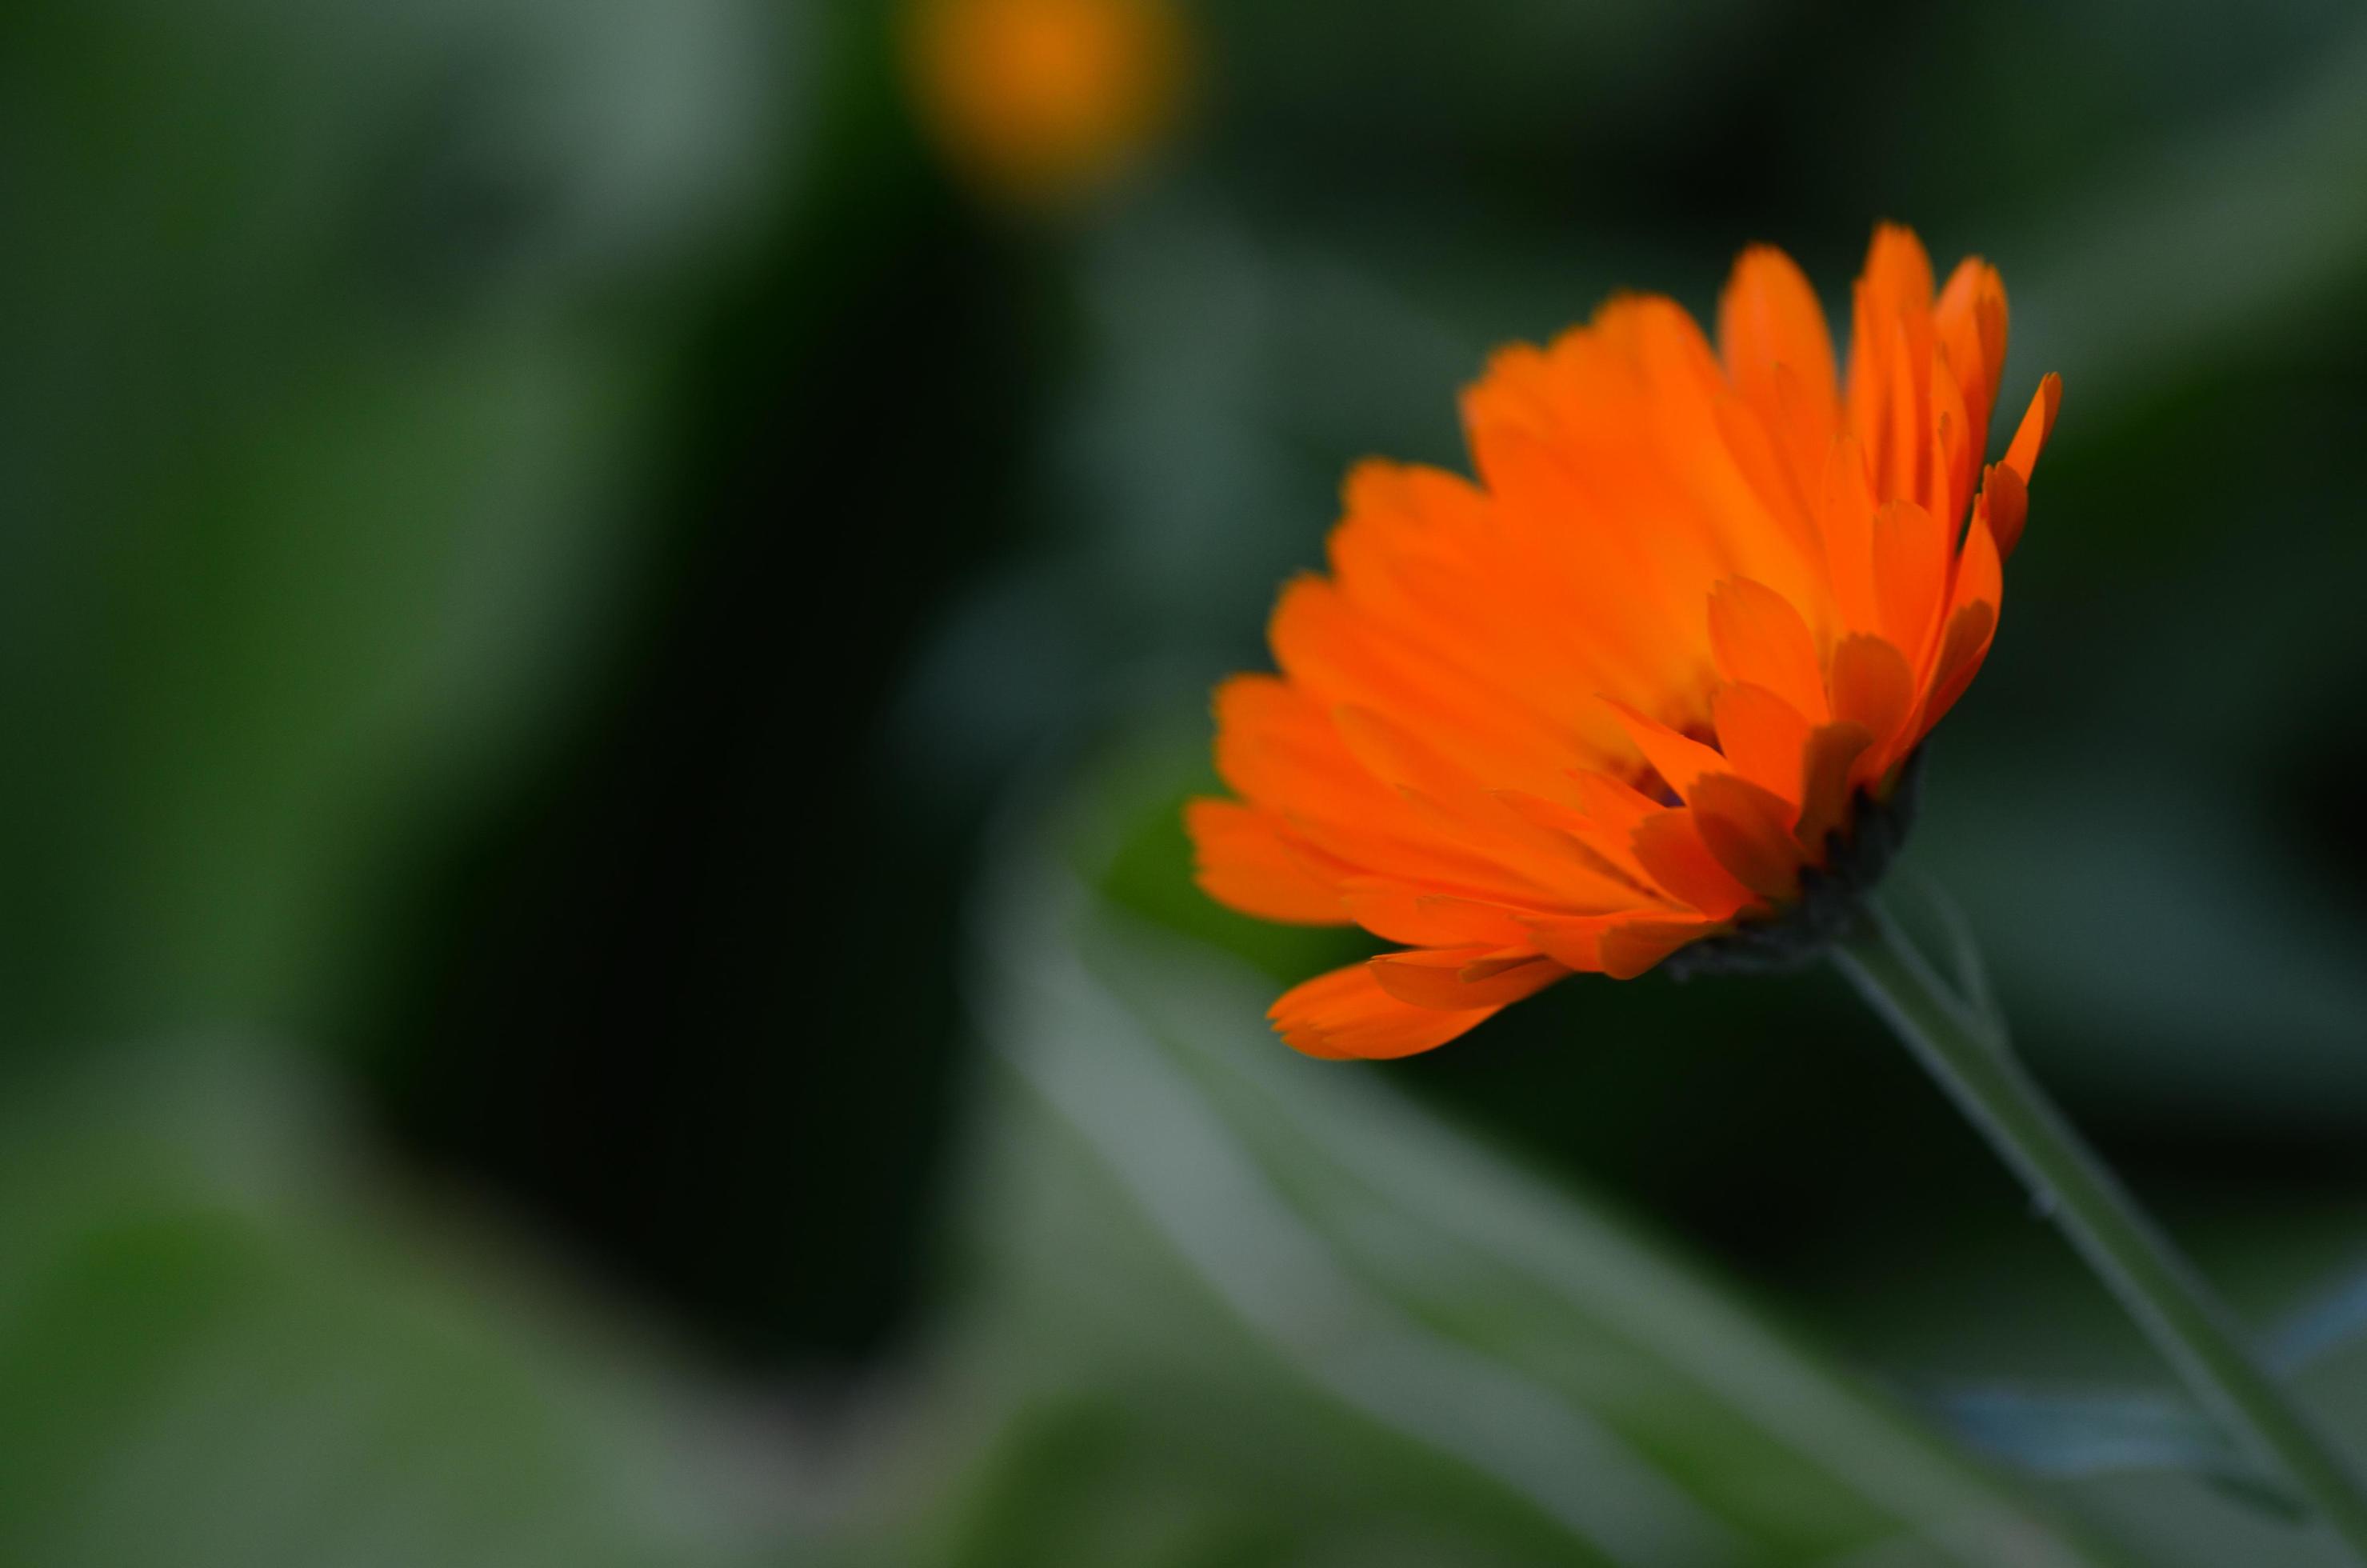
{"x":1980,"y":570}
{"x":1761,"y":736}
{"x":1828,"y":769}
{"x":1890,"y":357}
{"x":2007,"y":500}
{"x":1687,"y":389}
{"x":1911,"y":574}
{"x":1769,"y":318}
{"x":1845,"y":512}
{"x":1459,"y":979}
{"x":1955,"y":460}
{"x":1277,"y":749}
{"x":1396,"y":912}
{"x":1334,"y":655}
{"x":1678,"y":759}
{"x":1603,"y":838}
{"x":2037,"y":425}
{"x":1965,"y":644}
{"x":1245,"y":860}
{"x":1463,"y":812}
{"x":1282,"y":753}
{"x":1748,"y":830}
{"x":1759,"y":637}
{"x":1970,"y":320}
{"x":1670,"y":847}
{"x":1872,"y":685}
{"x":1574,"y":941}
{"x":1345,"y":1014}
{"x":1631,"y":948}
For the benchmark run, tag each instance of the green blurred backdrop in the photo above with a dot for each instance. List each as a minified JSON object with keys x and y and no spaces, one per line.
{"x":600,"y":642}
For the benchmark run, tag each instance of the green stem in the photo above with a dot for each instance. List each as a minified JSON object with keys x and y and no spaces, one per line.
{"x":2160,"y":1288}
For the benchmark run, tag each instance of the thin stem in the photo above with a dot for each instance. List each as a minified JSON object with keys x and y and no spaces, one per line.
{"x":2154,"y":1282}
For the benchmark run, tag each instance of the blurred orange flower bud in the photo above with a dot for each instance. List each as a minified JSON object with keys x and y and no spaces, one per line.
{"x":1044,"y":100}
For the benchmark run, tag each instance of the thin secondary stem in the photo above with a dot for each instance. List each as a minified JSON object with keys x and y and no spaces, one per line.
{"x":2154,"y":1282}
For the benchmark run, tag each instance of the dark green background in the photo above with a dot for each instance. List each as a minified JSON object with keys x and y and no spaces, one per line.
{"x":565,"y":589}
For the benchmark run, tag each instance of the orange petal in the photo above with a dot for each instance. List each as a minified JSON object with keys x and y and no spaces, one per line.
{"x":1759,"y":637}
{"x":1972,"y":621}
{"x":1779,"y":355}
{"x":1245,"y":861}
{"x":1748,"y":831}
{"x":1574,"y":941}
{"x":1604,"y":843}
{"x":1456,"y":979}
{"x":1399,"y":757}
{"x":1980,"y":570}
{"x":1286,"y":756}
{"x":1670,"y":847}
{"x":1333,"y":654}
{"x":1433,"y":565}
{"x":1398,"y":912}
{"x":1761,"y":736}
{"x":1845,"y":513}
{"x":1678,"y":759}
{"x":1890,"y":359}
{"x":1432,"y":859}
{"x":1897,"y":268}
{"x":2037,"y":425}
{"x":1275,"y":748}
{"x":1908,"y":476}
{"x":1610,"y":810}
{"x":1685,"y":390}
{"x":1828,"y":768}
{"x":1609,"y":801}
{"x":1955,"y":460}
{"x":1630,"y":949}
{"x":1476,"y":819}
{"x":1804,"y":427}
{"x":1966,"y":643}
{"x":1911,"y":574}
{"x":2008,"y":501}
{"x":1872,"y":685}
{"x":1768,"y":317}
{"x":1783,"y":489}
{"x":1346,"y":1014}
{"x":1970,"y":321}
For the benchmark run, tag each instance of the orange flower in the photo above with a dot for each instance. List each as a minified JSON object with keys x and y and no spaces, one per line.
{"x":1654,"y":678}
{"x":1044,"y":98}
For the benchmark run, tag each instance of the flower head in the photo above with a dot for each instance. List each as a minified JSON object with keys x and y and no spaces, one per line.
{"x":1043,"y":99}
{"x":1654,"y":678}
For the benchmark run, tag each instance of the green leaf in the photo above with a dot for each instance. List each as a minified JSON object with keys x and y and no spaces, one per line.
{"x":339,"y":338}
{"x":215,"y":1349}
{"x":2111,"y":1432}
{"x":2092,"y":1434}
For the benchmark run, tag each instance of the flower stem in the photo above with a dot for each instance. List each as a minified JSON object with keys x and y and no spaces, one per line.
{"x":2160,"y":1289}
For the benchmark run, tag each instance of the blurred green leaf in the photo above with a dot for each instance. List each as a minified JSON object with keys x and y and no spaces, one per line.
{"x":218,"y":1348}
{"x":2090,"y":1434}
{"x":338,"y":338}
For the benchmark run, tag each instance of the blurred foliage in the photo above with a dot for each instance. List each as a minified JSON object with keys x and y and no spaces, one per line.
{"x":544,"y":547}
{"x":1243,"y":1309}
{"x":336,"y":334}
{"x":218,"y":1347}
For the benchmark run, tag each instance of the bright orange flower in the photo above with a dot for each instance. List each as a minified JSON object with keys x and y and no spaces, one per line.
{"x":1652,"y":680}
{"x":1044,"y":98}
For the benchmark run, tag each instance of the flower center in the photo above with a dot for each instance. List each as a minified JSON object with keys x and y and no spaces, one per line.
{"x":1831,"y":896}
